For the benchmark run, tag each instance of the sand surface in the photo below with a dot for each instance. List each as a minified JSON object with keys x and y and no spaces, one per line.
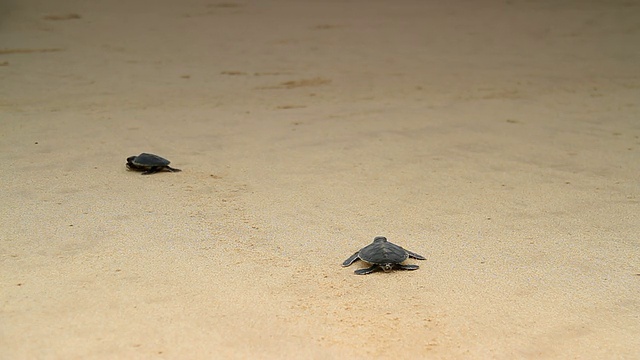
{"x":500,"y":139}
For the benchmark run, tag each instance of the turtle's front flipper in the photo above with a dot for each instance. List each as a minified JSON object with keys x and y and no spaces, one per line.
{"x":368,"y":270}
{"x":407,"y":267}
{"x":172,"y":169}
{"x":152,"y":170}
{"x":133,"y":167}
{"x":414,"y":255}
{"x":351,"y":259}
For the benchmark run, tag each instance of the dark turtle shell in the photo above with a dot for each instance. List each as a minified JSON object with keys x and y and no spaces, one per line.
{"x":148,"y":160}
{"x":382,"y":255}
{"x":149,"y":164}
{"x":382,"y":252}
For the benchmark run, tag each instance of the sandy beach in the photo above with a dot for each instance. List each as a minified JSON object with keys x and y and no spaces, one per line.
{"x":499,"y":139}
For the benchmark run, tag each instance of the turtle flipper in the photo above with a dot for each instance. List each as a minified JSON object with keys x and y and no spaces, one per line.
{"x":172,"y":169}
{"x":351,"y":259}
{"x":414,"y":255}
{"x":131,"y":166}
{"x":368,"y":270}
{"x":152,"y":170}
{"x":407,"y":267}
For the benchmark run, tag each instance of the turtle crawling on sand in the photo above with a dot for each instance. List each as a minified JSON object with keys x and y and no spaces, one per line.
{"x":383,"y":255}
{"x":149,"y":164}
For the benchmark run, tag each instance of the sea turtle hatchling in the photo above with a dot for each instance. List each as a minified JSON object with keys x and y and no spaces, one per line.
{"x":382,"y":255}
{"x":149,"y":164}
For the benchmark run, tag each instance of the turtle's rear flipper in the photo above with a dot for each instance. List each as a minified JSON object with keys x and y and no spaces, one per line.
{"x":368,"y":270}
{"x":407,"y":267}
{"x":172,"y":169}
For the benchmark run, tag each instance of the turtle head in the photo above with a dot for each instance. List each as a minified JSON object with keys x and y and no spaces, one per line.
{"x":379,"y":239}
{"x":386,"y":267}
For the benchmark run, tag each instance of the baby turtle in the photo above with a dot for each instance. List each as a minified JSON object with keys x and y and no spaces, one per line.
{"x":383,"y":255}
{"x":149,"y":164}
